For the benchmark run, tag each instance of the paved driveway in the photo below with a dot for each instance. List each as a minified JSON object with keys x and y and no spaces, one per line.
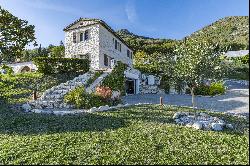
{"x":236,"y":100}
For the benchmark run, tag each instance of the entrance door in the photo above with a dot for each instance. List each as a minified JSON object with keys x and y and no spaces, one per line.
{"x":130,"y":87}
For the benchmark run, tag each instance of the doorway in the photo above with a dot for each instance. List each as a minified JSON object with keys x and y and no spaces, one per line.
{"x":130,"y":86}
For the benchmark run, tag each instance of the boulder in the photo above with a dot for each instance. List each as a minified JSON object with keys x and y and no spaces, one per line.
{"x":229,"y":126}
{"x":197,"y":125}
{"x":119,"y":105}
{"x":93,"y":109}
{"x":216,"y":126}
{"x":103,"y":108}
{"x":177,"y":115}
{"x":115,"y":95}
{"x":26,"y":107}
{"x":38,"y":111}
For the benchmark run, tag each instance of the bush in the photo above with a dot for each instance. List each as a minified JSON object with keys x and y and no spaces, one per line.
{"x":92,"y":79}
{"x":82,"y":99}
{"x":49,"y":65}
{"x":216,"y":88}
{"x":205,"y":90}
{"x":104,"y":92}
{"x":116,"y":79}
{"x":8,"y":69}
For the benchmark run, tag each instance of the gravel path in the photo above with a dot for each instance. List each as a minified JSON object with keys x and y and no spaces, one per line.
{"x":236,"y":99}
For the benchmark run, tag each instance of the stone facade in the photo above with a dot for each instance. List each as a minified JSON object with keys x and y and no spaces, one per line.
{"x":100,"y":42}
{"x":90,"y":46}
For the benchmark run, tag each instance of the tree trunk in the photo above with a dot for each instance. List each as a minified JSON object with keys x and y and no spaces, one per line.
{"x":192,"y":93}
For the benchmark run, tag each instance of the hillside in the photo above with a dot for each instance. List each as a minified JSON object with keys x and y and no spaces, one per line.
{"x":232,"y":31}
{"x":227,"y":31}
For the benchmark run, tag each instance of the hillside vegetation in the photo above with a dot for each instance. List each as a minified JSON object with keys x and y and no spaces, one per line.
{"x":233,"y":31}
{"x":229,"y":31}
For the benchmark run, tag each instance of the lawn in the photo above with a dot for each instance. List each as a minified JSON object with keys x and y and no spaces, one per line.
{"x":143,"y":134}
{"x":18,"y":88}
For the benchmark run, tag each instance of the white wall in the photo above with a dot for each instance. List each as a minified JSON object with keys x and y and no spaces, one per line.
{"x":108,"y":47}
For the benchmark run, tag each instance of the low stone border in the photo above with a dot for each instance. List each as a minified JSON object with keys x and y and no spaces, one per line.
{"x":27,"y":108}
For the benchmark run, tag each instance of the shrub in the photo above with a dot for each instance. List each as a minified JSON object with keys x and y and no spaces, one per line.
{"x":82,"y":99}
{"x":8,"y":69}
{"x":92,"y":79}
{"x":116,"y":79}
{"x":104,"y":92}
{"x":49,"y":65}
{"x":205,"y":90}
{"x":216,"y":88}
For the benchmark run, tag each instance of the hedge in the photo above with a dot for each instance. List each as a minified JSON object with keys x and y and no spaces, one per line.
{"x":49,"y":65}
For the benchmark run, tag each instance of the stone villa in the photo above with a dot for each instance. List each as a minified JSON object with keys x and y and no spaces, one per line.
{"x":95,"y":40}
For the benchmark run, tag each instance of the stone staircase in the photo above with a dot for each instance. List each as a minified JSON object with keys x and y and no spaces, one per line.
{"x":53,"y":97}
{"x":98,"y":81}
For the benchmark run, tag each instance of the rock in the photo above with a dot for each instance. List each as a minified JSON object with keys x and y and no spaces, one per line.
{"x":189,"y":124}
{"x":197,"y":125}
{"x":93,"y":109}
{"x":204,"y":114}
{"x":177,"y":120}
{"x":115,"y":95}
{"x":119,"y":105}
{"x":38,"y":111}
{"x":221,"y":122}
{"x":26,"y":107}
{"x":177,"y":115}
{"x":103,"y":108}
{"x":216,"y":126}
{"x":229,"y":126}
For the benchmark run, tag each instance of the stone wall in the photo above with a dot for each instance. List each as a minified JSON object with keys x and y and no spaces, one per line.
{"x":90,"y":46}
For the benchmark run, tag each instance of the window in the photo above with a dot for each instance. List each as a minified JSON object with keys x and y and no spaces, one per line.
{"x":106,"y":60}
{"x":86,"y":35}
{"x":81,"y":36}
{"x":120,"y":47}
{"x":131,"y":55}
{"x":74,"y":37}
{"x":113,"y":40}
{"x":116,"y":44}
{"x":128,"y":53}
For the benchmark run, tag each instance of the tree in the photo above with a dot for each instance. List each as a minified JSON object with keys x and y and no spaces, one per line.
{"x":196,"y":62}
{"x":15,"y":34}
{"x":57,"y":52}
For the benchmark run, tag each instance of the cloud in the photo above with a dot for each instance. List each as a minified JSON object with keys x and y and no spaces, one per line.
{"x":131,"y":11}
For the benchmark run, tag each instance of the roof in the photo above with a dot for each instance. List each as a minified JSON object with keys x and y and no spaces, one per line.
{"x":237,"y":53}
{"x":98,"y":21}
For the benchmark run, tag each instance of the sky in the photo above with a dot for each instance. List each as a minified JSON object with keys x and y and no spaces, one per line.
{"x":169,"y":19}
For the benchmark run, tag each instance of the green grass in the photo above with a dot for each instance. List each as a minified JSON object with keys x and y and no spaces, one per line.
{"x":18,"y":88}
{"x":134,"y":135}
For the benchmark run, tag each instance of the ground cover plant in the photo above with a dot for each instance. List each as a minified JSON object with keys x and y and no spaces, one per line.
{"x":143,"y":134}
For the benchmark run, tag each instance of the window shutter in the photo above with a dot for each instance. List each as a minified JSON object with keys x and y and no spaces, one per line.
{"x":116,"y":44}
{"x":86,"y":35}
{"x":81,"y":36}
{"x":74,"y":37}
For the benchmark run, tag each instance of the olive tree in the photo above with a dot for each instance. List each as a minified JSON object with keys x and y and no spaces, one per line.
{"x":197,"y":61}
{"x":15,"y":34}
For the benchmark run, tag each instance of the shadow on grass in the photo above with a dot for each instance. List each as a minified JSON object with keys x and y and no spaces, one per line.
{"x":16,"y":122}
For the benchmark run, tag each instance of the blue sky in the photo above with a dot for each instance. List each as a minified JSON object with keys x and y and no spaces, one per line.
{"x":172,"y":19}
